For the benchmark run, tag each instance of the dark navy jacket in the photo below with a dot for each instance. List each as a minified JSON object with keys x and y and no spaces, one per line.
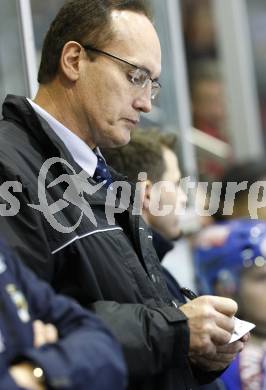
{"x":162,"y":247}
{"x":85,"y":357}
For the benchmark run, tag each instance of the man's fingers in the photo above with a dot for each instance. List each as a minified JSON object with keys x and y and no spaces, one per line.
{"x":208,"y":326}
{"x":224,"y":322}
{"x":51,"y":333}
{"x":245,"y":338}
{"x":224,"y":305}
{"x":224,"y":357}
{"x":220,"y":336}
{"x":44,"y":333}
{"x":233,"y":348}
{"x":209,"y":364}
{"x":38,"y":334}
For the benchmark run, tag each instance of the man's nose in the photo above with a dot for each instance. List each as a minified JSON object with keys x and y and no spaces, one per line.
{"x":143,"y":101}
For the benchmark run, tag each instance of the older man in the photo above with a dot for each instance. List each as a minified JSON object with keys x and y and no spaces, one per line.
{"x":100,"y":65}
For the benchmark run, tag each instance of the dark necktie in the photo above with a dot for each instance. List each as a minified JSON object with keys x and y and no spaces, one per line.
{"x":102,"y":172}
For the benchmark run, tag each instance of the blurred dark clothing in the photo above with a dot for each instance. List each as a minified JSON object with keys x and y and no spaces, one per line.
{"x":162,"y":247}
{"x":85,"y":352}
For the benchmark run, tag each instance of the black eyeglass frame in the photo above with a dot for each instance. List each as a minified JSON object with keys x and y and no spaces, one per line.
{"x":155,"y":85}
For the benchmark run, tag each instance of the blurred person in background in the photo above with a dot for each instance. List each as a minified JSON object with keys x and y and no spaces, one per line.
{"x":152,"y":152}
{"x":230,"y":260}
{"x":205,"y":81}
{"x":245,"y":204}
{"x":199,"y":29}
{"x":237,"y":197}
{"x":208,"y":111}
{"x":207,"y":98}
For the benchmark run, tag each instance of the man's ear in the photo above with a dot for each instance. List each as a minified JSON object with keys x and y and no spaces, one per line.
{"x":70,"y":60}
{"x":147,"y":194}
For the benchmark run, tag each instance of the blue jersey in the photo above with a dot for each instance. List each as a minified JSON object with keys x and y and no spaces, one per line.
{"x":85,"y":357}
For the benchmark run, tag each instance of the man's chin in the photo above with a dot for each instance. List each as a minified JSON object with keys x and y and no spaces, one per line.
{"x":123,"y":138}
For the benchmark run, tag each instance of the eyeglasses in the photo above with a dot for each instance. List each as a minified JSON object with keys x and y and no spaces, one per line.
{"x":139,"y":77}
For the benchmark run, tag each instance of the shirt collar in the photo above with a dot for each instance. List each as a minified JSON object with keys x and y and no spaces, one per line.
{"x":80,"y":151}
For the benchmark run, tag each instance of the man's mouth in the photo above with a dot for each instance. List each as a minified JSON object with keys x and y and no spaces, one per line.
{"x":133,"y":122}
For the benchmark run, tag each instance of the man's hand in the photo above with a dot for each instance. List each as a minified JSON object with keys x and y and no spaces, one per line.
{"x":22,"y":374}
{"x":210,"y":324}
{"x":224,"y":356}
{"x":44,"y":334}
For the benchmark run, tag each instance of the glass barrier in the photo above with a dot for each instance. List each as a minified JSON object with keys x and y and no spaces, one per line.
{"x":43,"y":12}
{"x":12,"y":73}
{"x":257,"y":22}
{"x":211,"y":136}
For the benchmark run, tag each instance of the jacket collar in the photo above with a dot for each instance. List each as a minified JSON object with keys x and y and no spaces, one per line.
{"x":17,"y":109}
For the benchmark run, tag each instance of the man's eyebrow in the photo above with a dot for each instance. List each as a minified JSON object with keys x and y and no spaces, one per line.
{"x":148,"y":71}
{"x":142,"y":68}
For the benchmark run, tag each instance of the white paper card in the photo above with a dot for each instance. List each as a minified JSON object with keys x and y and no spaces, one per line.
{"x":241,"y":328}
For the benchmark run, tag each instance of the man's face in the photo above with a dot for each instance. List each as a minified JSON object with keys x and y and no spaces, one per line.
{"x":108,"y":101}
{"x":252,"y":301}
{"x":168,"y":225}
